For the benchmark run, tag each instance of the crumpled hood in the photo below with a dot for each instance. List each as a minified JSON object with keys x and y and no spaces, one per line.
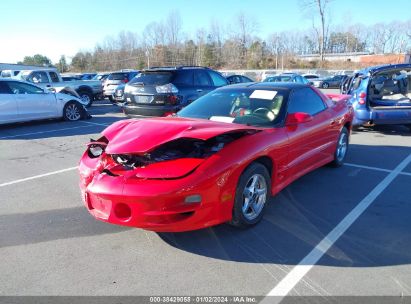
{"x":141,"y":136}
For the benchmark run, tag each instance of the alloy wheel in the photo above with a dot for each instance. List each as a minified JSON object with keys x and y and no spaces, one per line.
{"x":85,"y":98}
{"x":342,"y":147}
{"x":254,"y":196}
{"x":73,"y":112}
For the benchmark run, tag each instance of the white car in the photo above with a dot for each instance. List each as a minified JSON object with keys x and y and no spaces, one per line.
{"x":87,"y":90}
{"x":21,"y":101}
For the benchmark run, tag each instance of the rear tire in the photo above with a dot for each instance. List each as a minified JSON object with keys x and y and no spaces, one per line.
{"x":341,"y":149}
{"x":86,"y":97}
{"x":73,"y":111}
{"x":252,"y":193}
{"x":325,"y":85}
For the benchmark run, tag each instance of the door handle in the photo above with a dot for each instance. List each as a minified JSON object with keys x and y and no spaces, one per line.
{"x":333,"y":122}
{"x":199,"y":90}
{"x":48,"y":85}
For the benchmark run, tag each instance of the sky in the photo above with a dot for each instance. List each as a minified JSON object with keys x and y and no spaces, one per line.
{"x":60,"y":27}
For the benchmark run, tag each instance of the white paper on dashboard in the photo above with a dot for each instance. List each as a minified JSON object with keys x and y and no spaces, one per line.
{"x":263,"y":94}
{"x":222,"y":119}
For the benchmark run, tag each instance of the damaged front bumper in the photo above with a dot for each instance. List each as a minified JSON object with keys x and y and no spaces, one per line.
{"x":164,"y":205}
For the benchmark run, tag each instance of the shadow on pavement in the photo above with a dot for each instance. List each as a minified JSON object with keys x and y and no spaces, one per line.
{"x":49,"y":225}
{"x":301,"y":215}
{"x":382,"y":130}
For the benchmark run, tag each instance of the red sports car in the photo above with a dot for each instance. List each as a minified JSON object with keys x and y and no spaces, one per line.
{"x":218,"y":160}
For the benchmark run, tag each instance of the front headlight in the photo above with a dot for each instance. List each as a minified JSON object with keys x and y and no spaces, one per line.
{"x":95,"y":151}
{"x":96,"y":147}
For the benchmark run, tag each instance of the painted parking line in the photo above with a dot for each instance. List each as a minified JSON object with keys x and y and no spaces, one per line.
{"x":299,"y":271}
{"x":37,"y":176}
{"x":367,"y":167}
{"x":96,"y":123}
{"x":42,"y":132}
{"x":374,"y":168}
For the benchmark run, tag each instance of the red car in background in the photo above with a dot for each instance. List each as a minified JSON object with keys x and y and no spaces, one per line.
{"x":219,"y":160}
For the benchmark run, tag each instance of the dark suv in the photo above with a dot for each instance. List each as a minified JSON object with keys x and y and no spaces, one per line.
{"x":165,"y":90}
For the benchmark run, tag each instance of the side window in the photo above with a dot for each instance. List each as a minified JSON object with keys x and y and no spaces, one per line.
{"x":305,"y":100}
{"x":38,"y":77}
{"x":201,"y":78}
{"x":218,"y":80}
{"x":4,"y":88}
{"x":132,"y":75}
{"x":304,"y":80}
{"x":24,"y":88}
{"x":183,"y":77}
{"x":356,"y":83}
{"x":299,"y":79}
{"x":54,"y":77}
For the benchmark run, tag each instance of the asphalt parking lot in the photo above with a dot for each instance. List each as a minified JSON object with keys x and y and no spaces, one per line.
{"x":334,"y":232}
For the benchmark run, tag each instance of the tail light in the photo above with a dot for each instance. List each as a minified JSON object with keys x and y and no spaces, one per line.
{"x":125,"y":80}
{"x":172,"y":99}
{"x":362,"y":97}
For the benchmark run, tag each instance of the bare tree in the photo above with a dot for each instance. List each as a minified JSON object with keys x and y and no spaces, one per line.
{"x":408,"y":34}
{"x":217,"y":38}
{"x":245,"y":27}
{"x":380,"y":34}
{"x":173,"y":26}
{"x":319,"y":7}
{"x":408,"y":28}
{"x":164,"y":43}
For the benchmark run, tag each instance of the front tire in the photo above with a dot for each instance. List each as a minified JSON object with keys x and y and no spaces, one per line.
{"x":86,"y":97}
{"x":73,"y":111}
{"x":252,"y":193}
{"x":341,"y":149}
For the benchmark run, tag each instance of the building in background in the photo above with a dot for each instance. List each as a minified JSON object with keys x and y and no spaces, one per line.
{"x":363,"y":58}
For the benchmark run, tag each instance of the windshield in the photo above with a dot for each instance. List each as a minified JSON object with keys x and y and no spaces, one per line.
{"x":117,"y":76}
{"x":153,"y":78}
{"x":242,"y":106}
{"x":25,"y":74}
{"x":99,"y":76}
{"x":284,"y":78}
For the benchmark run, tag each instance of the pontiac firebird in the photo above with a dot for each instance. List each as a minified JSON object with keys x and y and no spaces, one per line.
{"x":218,"y":160}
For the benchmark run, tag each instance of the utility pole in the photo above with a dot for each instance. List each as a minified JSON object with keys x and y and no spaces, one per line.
{"x":148,"y":58}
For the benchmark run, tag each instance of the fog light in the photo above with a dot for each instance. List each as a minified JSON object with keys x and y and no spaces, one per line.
{"x":193,"y":199}
{"x":122,"y":211}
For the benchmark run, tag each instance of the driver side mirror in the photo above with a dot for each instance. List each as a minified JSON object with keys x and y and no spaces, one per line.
{"x":297,"y":118}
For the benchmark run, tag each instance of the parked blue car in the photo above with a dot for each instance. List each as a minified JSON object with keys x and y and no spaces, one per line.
{"x":381,"y":95}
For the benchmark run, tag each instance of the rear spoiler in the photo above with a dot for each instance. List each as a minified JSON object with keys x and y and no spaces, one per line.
{"x":338,"y":97}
